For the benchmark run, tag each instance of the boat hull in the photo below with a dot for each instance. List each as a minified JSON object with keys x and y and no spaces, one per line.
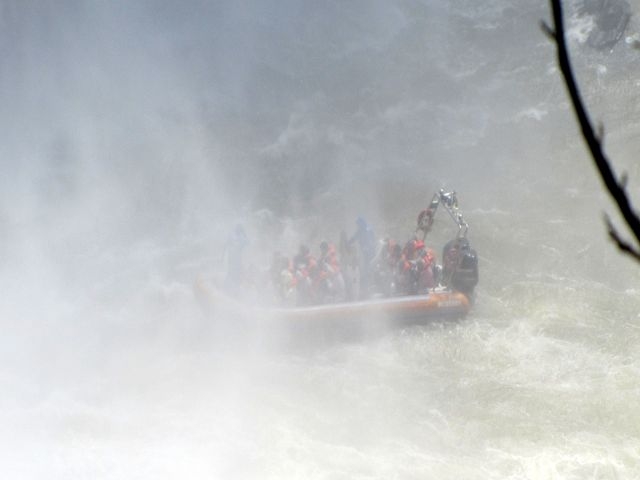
{"x":402,"y":310}
{"x":408,"y":309}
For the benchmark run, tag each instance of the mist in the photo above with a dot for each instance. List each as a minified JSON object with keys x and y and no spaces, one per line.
{"x":136,"y":135}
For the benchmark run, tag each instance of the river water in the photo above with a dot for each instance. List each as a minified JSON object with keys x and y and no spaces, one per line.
{"x":136,"y":135}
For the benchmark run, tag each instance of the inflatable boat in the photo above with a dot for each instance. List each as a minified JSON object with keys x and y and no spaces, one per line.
{"x":343,"y":320}
{"x":449,"y":294}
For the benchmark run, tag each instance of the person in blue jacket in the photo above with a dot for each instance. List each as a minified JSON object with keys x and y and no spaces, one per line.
{"x":365,"y":238}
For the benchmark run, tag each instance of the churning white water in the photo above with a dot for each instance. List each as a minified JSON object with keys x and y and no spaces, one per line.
{"x":135,"y":135}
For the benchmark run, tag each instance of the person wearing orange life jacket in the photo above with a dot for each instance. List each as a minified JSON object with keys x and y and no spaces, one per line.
{"x":329,"y":283}
{"x":426,"y":261}
{"x":416,"y":268}
{"x":282,"y":277}
{"x":409,"y":253}
{"x":328,"y":260}
{"x":404,"y":267}
{"x":305,"y":269}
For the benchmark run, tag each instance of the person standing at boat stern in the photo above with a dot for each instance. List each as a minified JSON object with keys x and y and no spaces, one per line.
{"x":366,"y":241}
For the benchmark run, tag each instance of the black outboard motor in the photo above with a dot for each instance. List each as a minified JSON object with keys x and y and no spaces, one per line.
{"x":460,"y":266}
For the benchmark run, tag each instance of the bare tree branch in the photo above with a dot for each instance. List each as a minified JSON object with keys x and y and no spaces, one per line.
{"x":623,"y":245}
{"x":615,"y":188}
{"x":548,"y":31}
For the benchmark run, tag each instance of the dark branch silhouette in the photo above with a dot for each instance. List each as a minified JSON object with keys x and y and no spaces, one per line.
{"x":615,"y":187}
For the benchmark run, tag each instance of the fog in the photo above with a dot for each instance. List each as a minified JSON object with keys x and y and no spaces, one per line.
{"x":136,"y":135}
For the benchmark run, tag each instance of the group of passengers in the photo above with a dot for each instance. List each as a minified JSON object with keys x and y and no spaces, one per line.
{"x":405,"y":270}
{"x":389,"y":270}
{"x":312,"y":280}
{"x":360,"y":268}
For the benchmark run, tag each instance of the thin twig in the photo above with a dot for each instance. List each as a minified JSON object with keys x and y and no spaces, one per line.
{"x":623,"y":245}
